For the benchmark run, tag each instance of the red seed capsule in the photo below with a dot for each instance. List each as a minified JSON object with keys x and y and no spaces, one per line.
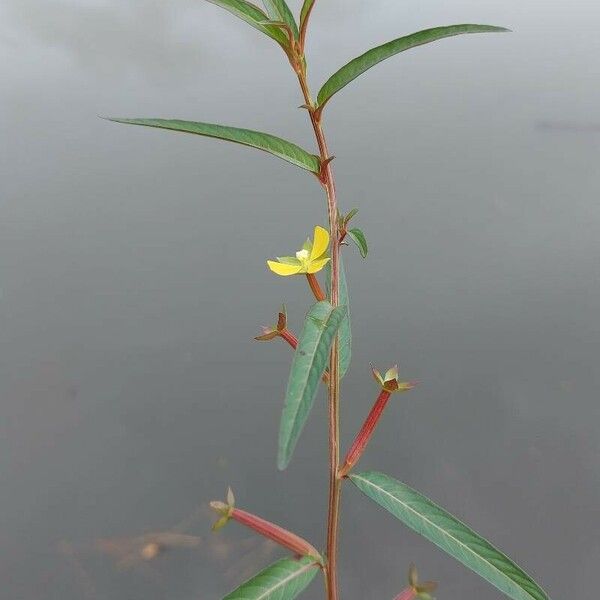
{"x":365,"y":433}
{"x":289,"y":337}
{"x":389,"y":384}
{"x":281,"y":536}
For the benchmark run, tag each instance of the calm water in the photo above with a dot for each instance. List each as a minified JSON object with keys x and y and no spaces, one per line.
{"x":132,"y":281}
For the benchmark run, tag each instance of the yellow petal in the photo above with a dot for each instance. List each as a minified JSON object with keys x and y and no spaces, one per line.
{"x":282,"y":269}
{"x":320,"y":243}
{"x":314,"y":266}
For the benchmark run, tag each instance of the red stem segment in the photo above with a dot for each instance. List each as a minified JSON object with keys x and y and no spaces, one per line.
{"x":328,"y":183}
{"x":327,"y":180}
{"x":365,"y":433}
{"x":313,"y":282}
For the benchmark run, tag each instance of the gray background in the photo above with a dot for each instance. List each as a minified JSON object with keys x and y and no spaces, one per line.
{"x":132,"y":281}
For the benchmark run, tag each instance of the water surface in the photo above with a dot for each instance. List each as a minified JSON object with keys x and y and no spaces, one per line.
{"x":132,"y":281}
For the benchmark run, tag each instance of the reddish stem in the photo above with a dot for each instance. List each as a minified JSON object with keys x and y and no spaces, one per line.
{"x":281,"y":536}
{"x":313,"y":282}
{"x":365,"y":433}
{"x":328,"y":182}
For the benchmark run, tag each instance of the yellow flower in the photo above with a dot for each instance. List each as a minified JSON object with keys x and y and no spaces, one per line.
{"x":311,"y":259}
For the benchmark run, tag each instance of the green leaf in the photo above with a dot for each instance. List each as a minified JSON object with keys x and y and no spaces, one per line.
{"x":283,"y":580}
{"x":307,"y":7}
{"x":370,"y":58}
{"x":358,"y":237}
{"x":279,"y":11}
{"x":256,"y":139}
{"x":447,"y":532}
{"x":350,"y":215}
{"x":345,"y":331}
{"x":310,"y":359}
{"x":255,"y":17}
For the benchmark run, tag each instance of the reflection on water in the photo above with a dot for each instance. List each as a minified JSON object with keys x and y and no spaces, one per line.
{"x":132,"y":281}
{"x":571,"y":126}
{"x":234,"y":560}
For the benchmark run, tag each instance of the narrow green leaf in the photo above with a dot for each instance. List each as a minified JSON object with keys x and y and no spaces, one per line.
{"x":253,"y":16}
{"x":278,"y":10}
{"x":345,"y":331}
{"x":370,"y":58}
{"x":307,"y":7}
{"x":447,"y":532}
{"x":256,"y":139}
{"x":310,"y":359}
{"x":350,"y":215}
{"x":283,"y":580}
{"x":358,"y":237}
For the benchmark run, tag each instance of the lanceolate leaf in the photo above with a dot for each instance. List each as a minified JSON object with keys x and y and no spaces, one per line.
{"x":358,"y":237}
{"x":310,"y":359}
{"x":307,"y":7}
{"x":256,"y":139}
{"x":283,"y":580}
{"x":345,"y":331}
{"x":279,"y":11}
{"x":254,"y":16}
{"x":447,"y":532}
{"x":370,"y":58}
